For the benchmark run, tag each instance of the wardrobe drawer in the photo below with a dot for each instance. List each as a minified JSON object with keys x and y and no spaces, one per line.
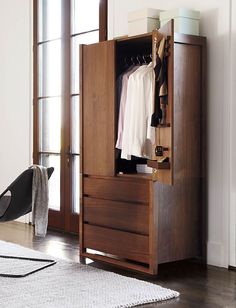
{"x":117,"y":189}
{"x":122,"y":244}
{"x":118,"y":215}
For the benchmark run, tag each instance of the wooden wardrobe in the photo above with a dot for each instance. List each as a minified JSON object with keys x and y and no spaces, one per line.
{"x":137,"y":221}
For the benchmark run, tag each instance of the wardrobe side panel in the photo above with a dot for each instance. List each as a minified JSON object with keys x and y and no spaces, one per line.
{"x":98,"y":109}
{"x":179,"y":232}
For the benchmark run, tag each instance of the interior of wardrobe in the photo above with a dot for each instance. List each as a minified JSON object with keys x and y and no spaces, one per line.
{"x":136,"y":52}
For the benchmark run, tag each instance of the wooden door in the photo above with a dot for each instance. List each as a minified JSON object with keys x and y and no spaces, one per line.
{"x":98,"y":108}
{"x":163,"y":171}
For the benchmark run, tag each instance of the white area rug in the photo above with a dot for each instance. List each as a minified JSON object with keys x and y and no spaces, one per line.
{"x":72,"y":285}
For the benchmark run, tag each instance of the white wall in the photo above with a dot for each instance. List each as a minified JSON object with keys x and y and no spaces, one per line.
{"x":216,"y":26}
{"x":15,"y":88}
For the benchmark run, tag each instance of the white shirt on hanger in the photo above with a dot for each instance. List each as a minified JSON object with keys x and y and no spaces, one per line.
{"x":138,"y":135}
{"x":129,"y":113}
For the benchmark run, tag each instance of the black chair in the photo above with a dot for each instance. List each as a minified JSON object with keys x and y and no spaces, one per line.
{"x":17,"y":204}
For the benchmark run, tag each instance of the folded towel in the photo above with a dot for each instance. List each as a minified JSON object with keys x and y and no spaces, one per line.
{"x":40,"y":200}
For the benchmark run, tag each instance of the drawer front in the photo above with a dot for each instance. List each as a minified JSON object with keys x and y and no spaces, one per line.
{"x":122,"y":244}
{"x":116,"y":189}
{"x":118,"y":215}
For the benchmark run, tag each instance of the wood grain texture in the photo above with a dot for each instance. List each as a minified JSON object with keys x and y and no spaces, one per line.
{"x":204,"y":151}
{"x":103,"y":20}
{"x":174,"y":212}
{"x":128,"y":190}
{"x":187,"y":39}
{"x":122,"y":244}
{"x":120,"y":263}
{"x":117,"y":215}
{"x":179,"y":205}
{"x":153,"y":232}
{"x":81,"y":214}
{"x":164,"y":135}
{"x":99,"y":108}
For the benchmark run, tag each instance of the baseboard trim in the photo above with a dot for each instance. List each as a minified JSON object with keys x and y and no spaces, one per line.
{"x":232,"y":268}
{"x":216,"y":254}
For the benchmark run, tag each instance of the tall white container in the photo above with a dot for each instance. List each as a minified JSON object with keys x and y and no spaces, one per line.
{"x":185,"y":21}
{"x":143,"y":21}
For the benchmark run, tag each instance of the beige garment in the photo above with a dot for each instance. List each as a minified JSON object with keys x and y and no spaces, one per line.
{"x":40,"y":200}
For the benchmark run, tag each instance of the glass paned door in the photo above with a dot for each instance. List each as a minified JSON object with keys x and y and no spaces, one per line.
{"x":60,"y":26}
{"x":84,"y":30}
{"x":48,"y":97}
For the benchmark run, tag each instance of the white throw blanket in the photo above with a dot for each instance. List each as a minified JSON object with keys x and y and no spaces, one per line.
{"x":40,"y":200}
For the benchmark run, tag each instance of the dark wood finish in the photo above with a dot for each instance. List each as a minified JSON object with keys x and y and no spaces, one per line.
{"x":199,"y":285}
{"x":193,"y":40}
{"x":69,"y":218}
{"x":153,"y":232}
{"x":122,"y":244}
{"x":164,"y":134}
{"x":103,"y":20}
{"x":179,"y":205}
{"x":117,"y":189}
{"x":204,"y":142}
{"x":55,"y":219}
{"x":144,"y":176}
{"x":99,"y":107}
{"x":66,"y":164}
{"x":117,"y":215}
{"x":158,"y":165}
{"x":81,"y":215}
{"x":174,"y":228}
{"x":120,"y":263}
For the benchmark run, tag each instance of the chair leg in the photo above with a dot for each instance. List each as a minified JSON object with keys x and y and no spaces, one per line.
{"x":50,"y":263}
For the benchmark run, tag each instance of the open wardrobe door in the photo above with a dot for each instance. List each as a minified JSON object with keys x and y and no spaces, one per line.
{"x":97,"y":86}
{"x":163,"y":54}
{"x":132,"y":216}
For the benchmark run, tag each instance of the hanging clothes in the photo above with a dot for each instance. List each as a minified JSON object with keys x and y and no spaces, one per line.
{"x":119,"y":84}
{"x":122,"y":103}
{"x":142,"y":100}
{"x":138,"y":134}
{"x":129,"y":112}
{"x":160,"y":70}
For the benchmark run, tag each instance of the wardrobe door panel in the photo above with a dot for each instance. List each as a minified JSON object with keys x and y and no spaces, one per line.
{"x":163,"y":170}
{"x":98,"y":108}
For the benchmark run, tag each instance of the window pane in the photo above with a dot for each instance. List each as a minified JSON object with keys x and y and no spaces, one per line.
{"x":75,"y":123}
{"x":84,"y":15}
{"x":50,"y":125}
{"x":49,"y":19}
{"x":50,"y":68}
{"x":76,"y":183}
{"x":54,"y":182}
{"x":88,"y":38}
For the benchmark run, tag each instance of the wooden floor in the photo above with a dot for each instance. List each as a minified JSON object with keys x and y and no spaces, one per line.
{"x":200,"y":286}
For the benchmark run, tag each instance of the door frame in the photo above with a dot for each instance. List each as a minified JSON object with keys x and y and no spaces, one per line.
{"x":64,"y":220}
